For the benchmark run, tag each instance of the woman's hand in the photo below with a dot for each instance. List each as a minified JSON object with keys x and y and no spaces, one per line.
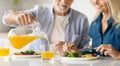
{"x":108,"y":50}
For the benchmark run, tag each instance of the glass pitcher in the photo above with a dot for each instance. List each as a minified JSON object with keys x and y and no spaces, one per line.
{"x":23,"y":35}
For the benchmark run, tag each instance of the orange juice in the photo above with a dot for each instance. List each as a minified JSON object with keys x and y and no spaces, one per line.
{"x":20,"y":41}
{"x":4,"y":51}
{"x":47,"y":54}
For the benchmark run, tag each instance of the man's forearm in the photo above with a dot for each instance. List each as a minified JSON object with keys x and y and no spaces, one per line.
{"x":10,"y":17}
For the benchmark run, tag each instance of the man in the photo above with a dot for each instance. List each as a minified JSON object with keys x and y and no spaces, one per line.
{"x":60,"y":23}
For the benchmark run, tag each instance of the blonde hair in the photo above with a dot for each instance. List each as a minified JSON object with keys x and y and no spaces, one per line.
{"x":114,"y":7}
{"x":115,"y":10}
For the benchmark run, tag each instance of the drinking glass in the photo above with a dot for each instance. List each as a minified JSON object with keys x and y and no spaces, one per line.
{"x":4,"y":49}
{"x":47,"y":51}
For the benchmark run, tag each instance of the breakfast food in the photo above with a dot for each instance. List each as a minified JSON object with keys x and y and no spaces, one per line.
{"x":27,"y":52}
{"x":74,"y":54}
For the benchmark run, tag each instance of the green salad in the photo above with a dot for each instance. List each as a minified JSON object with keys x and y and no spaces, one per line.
{"x":74,"y":55}
{"x":27,"y":52}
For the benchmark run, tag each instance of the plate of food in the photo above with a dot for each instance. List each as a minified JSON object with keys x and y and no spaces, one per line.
{"x":78,"y":57}
{"x":26,"y":54}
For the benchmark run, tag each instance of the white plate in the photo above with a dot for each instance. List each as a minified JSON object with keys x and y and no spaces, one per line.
{"x":79,"y":59}
{"x":26,"y":56}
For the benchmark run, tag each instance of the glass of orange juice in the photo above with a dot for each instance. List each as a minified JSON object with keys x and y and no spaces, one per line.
{"x":47,"y":51}
{"x":4,"y":49}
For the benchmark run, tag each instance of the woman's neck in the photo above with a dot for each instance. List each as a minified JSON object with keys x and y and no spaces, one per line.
{"x":106,"y":16}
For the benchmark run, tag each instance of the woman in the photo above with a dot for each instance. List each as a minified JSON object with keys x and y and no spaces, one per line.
{"x":105,"y":28}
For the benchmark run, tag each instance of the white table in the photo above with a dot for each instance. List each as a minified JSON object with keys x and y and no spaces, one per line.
{"x":102,"y":61}
{"x":3,"y":35}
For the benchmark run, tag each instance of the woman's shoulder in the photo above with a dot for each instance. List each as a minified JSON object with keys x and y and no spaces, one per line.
{"x":93,"y":24}
{"x":117,"y":30}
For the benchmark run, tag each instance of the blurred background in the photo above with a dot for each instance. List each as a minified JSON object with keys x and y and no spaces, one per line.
{"x":83,"y":6}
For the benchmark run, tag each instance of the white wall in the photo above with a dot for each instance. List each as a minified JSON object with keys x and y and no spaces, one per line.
{"x":81,"y":5}
{"x":85,"y":7}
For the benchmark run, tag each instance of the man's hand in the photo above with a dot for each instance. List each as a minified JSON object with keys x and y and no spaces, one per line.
{"x":20,"y":18}
{"x":59,"y":47}
{"x":70,"y":47}
{"x":25,"y":19}
{"x":65,"y":47}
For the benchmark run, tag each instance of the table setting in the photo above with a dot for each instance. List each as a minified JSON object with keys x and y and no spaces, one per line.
{"x":47,"y":55}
